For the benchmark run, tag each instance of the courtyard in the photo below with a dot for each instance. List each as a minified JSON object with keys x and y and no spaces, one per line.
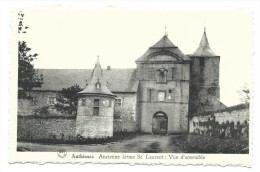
{"x":148,"y":143}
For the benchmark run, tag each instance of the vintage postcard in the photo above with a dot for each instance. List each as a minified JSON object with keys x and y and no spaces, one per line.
{"x":136,"y":86}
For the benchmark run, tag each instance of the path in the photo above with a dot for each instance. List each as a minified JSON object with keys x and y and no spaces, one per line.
{"x":141,"y":143}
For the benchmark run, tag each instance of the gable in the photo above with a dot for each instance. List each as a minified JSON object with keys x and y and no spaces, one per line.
{"x":163,"y":57}
{"x":167,"y":51}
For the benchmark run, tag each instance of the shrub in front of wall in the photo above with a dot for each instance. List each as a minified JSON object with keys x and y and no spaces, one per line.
{"x":42,"y":111}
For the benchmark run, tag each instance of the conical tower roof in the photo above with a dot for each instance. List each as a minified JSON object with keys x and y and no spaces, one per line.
{"x":96,"y":83}
{"x":204,"y":49}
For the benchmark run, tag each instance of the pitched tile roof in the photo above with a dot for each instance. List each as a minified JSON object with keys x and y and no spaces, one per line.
{"x":163,"y":46}
{"x":119,"y":80}
{"x":97,"y":84}
{"x":164,"y":42}
{"x":204,"y":49}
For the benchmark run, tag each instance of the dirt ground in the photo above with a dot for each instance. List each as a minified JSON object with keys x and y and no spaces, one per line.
{"x":139,"y":144}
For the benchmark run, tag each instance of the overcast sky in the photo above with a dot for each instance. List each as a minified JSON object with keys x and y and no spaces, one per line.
{"x":74,"y":37}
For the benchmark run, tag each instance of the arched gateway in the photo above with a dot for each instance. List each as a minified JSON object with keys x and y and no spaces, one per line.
{"x":160,"y":123}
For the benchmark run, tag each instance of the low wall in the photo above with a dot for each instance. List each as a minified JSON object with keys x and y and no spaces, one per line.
{"x":123,"y":125}
{"x":39,"y":128}
{"x":232,"y":122}
{"x":58,"y":128}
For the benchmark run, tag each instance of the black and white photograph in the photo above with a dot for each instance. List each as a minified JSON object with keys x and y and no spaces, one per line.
{"x":131,"y":83}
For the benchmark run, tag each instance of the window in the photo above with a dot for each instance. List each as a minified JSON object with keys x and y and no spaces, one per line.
{"x":52,"y":100}
{"x":150,"y":95}
{"x":79,"y":102}
{"x":34,"y":101}
{"x":161,"y":96}
{"x":174,"y":72}
{"x":98,"y":85}
{"x":83,"y":103}
{"x":118,"y":102}
{"x":170,"y":95}
{"x":96,"y":107}
{"x":162,"y":75}
{"x":109,"y":103}
{"x":151,"y":73}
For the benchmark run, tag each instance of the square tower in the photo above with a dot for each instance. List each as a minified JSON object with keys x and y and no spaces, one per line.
{"x":163,"y":73}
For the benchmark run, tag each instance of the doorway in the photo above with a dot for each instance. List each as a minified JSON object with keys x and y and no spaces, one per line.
{"x":160,"y":123}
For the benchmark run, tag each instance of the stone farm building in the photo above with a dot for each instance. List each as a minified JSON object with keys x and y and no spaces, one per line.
{"x":157,"y":96}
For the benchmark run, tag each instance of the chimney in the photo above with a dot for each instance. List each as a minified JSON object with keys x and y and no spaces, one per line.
{"x":108,"y":68}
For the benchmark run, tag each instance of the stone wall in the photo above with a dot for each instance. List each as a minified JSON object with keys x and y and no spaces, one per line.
{"x":125,"y":118}
{"x":128,"y":121}
{"x":232,"y":122}
{"x":175,"y":90}
{"x":38,"y":99}
{"x":37,"y":128}
{"x":148,"y":72}
{"x":90,"y":125}
{"x":57,"y":128}
{"x":123,"y":125}
{"x":204,"y":84}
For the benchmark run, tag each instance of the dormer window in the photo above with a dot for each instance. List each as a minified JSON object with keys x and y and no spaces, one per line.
{"x":98,"y":85}
{"x":162,"y":75}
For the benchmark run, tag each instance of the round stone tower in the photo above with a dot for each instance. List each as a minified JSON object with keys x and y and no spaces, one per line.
{"x":95,"y":108}
{"x":204,"y":79}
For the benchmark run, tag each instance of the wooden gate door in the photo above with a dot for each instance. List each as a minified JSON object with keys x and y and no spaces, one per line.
{"x":160,"y":123}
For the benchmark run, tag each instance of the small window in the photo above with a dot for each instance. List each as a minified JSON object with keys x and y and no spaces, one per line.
{"x":170,"y":95}
{"x":151,"y":73}
{"x":98,"y":84}
{"x":96,"y":102}
{"x":34,"y":101}
{"x":52,"y":100}
{"x":79,"y":102}
{"x":96,"y":107}
{"x":174,"y":71}
{"x":150,"y":95}
{"x":161,"y":96}
{"x":109,"y":103}
{"x":83,"y":103}
{"x":118,"y":102}
{"x":162,"y":75}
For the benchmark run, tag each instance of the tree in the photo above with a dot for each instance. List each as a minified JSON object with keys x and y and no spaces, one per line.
{"x":28,"y":78}
{"x":67,"y":100}
{"x":245,"y":94}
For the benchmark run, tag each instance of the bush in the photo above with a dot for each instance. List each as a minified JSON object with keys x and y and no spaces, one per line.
{"x":53,"y":139}
{"x":206,"y":144}
{"x":42,"y":111}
